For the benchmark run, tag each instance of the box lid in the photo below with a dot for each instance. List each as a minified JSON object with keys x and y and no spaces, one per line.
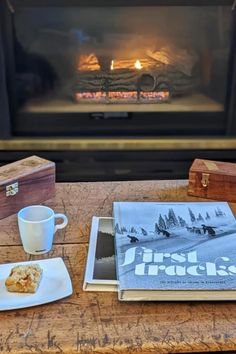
{"x":216,"y":167}
{"x":22,"y":168}
{"x":25,"y":182}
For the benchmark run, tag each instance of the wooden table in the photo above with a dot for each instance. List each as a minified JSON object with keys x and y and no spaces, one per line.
{"x":97,"y":322}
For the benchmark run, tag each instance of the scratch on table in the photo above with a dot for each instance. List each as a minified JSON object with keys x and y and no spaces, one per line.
{"x":28,"y":331}
{"x":8,"y":340}
{"x":52,"y":342}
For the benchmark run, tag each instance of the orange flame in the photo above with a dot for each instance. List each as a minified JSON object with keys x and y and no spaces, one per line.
{"x":112,"y":65}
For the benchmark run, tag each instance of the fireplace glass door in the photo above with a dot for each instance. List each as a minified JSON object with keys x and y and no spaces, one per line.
{"x":117,"y":60}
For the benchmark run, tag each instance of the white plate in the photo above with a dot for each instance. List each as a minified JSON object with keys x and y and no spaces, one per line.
{"x":55,"y":284}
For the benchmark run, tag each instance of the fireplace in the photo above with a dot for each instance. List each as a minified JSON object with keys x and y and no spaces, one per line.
{"x":118,"y":91}
{"x":146,"y":68}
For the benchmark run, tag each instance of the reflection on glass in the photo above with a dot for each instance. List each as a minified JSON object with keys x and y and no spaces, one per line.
{"x":171,"y":58}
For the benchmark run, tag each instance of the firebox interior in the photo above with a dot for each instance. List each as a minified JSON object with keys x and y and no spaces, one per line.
{"x":168,"y":58}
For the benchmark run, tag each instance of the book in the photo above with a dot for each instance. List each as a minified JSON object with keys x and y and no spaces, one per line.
{"x":100,"y":272}
{"x":175,"y":251}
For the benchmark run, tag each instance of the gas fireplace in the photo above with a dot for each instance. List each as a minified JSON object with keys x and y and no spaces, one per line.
{"x":145,"y":68}
{"x":153,"y":79}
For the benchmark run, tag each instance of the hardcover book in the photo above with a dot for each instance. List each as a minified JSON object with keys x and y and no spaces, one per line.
{"x":100,"y":273}
{"x":175,"y":251}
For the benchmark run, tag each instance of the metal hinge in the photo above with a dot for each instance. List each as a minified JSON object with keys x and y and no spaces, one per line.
{"x":12,"y":189}
{"x":205,"y":179}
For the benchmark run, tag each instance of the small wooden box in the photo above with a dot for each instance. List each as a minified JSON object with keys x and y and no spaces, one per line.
{"x":25,"y":182}
{"x":213,"y":180}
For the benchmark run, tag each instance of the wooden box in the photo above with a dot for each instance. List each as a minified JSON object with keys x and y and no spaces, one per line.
{"x":213,"y":180}
{"x":25,"y":182}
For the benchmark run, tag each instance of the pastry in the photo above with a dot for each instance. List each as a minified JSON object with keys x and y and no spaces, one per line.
{"x":24,"y":278}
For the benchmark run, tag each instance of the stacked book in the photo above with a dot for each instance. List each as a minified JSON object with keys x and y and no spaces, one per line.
{"x":164,"y":251}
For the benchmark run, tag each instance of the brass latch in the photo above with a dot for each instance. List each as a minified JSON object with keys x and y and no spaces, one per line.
{"x":205,"y":179}
{"x":12,"y":189}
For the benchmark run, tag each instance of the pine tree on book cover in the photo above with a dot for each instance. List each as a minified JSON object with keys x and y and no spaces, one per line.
{"x":175,"y":251}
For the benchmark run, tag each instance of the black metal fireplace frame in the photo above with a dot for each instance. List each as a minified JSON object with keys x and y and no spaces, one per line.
{"x":131,"y":124}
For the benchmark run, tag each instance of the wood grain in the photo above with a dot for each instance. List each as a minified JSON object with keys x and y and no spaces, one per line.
{"x":36,"y":183}
{"x":97,"y":322}
{"x":221,"y":180}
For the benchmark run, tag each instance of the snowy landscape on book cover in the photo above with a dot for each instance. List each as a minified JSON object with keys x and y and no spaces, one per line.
{"x":175,"y":246}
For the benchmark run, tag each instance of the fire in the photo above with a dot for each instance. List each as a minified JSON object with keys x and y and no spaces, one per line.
{"x":112,"y":65}
{"x":138,"y":65}
{"x":122,"y":96}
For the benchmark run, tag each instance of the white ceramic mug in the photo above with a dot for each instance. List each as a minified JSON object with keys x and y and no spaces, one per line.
{"x":37,"y":228}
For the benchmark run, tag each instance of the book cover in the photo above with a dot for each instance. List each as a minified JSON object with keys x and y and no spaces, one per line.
{"x":175,"y":251}
{"x":100,"y":273}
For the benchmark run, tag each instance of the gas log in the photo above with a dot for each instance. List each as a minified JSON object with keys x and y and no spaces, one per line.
{"x":161,"y":78}
{"x":168,"y":69}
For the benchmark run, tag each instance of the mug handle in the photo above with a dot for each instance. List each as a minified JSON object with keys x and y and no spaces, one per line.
{"x":63,"y":224}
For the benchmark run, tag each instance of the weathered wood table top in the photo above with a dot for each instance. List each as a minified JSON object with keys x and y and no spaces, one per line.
{"x":95,"y":322}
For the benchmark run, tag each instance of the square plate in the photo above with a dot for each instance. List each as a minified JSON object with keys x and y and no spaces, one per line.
{"x":55,"y":284}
